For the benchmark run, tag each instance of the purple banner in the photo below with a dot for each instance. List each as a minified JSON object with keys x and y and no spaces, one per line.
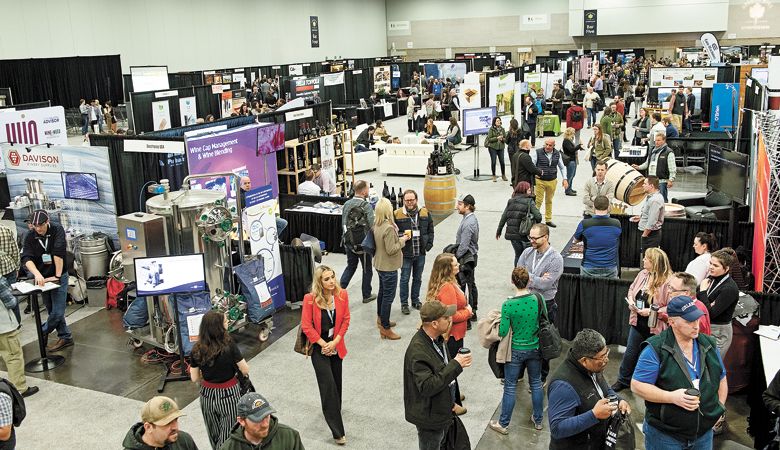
{"x":245,"y":151}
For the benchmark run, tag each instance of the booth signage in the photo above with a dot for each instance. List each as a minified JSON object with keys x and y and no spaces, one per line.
{"x":591,"y":22}
{"x":38,"y":158}
{"x":258,"y":219}
{"x":710,"y":44}
{"x":314,"y":24}
{"x":147,"y":146}
{"x":296,"y":115}
{"x":725,"y":106}
{"x":333,"y":79}
{"x":295,"y":69}
{"x":165,"y":94}
{"x":34,"y":126}
{"x":188,"y":111}
{"x":161,"y":115}
{"x":305,"y":87}
{"x":668,"y":77}
{"x":399,"y":25}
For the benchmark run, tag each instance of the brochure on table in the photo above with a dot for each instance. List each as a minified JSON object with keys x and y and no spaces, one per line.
{"x":161,"y":115}
{"x":683,"y":76}
{"x":259,"y":221}
{"x":34,"y":126}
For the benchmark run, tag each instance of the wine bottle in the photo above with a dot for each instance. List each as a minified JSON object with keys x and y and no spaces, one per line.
{"x":305,"y":131}
{"x":300,"y":133}
{"x":393,"y":198}
{"x":323,"y":132}
{"x":386,"y":191}
{"x":400,"y":197}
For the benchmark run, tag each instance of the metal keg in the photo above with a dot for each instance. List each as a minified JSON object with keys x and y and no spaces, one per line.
{"x":94,"y":256}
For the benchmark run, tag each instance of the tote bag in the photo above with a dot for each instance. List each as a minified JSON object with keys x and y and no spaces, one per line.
{"x":549,"y":337}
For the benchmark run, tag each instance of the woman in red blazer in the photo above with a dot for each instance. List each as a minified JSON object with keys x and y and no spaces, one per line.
{"x":324,"y":321}
{"x":443,"y":286}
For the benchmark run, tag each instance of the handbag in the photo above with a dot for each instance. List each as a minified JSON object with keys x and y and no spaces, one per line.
{"x":457,"y":438}
{"x":244,"y":383}
{"x":549,"y":337}
{"x":620,"y":432}
{"x":496,"y":367}
{"x":302,"y":344}
{"x":527,"y":223}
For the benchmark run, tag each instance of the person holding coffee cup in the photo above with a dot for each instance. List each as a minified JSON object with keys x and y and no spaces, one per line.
{"x":430,"y":376}
{"x":683,"y":401}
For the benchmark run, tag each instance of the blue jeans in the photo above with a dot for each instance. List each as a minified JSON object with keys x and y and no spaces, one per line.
{"x":599,"y":272}
{"x":281,"y":224}
{"x":512,"y":370}
{"x":84,"y":124}
{"x":352,"y":262}
{"x":591,"y":116}
{"x":656,"y":440}
{"x":388,"y":280}
{"x":519,"y":247}
{"x":630,"y":358}
{"x":617,"y":144}
{"x":55,"y":302}
{"x":361,"y":148}
{"x":431,"y":439}
{"x":412,"y":266}
{"x":664,"y":189}
{"x":571,"y":169}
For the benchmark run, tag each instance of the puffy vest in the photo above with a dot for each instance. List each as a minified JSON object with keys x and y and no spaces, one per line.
{"x":549,"y":167}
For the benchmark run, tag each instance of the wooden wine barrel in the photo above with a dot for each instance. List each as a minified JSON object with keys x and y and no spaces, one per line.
{"x":627,"y":181}
{"x":439,"y":194}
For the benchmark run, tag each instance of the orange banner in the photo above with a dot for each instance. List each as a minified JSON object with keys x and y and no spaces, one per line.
{"x":760,"y":212}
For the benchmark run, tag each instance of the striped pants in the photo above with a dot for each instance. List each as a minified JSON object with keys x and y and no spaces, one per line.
{"x":219,"y":407}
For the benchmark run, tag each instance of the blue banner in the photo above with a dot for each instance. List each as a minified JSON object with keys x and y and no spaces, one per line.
{"x":724,"y":112}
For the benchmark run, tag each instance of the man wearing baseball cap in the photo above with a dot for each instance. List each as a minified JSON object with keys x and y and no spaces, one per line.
{"x":467,"y":242}
{"x":258,"y":428}
{"x":158,"y":428}
{"x":681,"y":377}
{"x":430,"y":376}
{"x":43,"y":255}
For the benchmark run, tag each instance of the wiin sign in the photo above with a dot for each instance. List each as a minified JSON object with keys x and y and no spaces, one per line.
{"x":591,"y":22}
{"x":314,"y":25}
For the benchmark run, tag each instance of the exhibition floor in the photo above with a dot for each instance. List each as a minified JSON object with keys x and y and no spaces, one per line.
{"x":92,"y":400}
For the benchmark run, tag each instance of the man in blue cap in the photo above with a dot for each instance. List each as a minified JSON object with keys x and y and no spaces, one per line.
{"x":681,"y":377}
{"x":258,"y":428}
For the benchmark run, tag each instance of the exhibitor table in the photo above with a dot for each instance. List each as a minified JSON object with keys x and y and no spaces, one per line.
{"x":324,"y":224}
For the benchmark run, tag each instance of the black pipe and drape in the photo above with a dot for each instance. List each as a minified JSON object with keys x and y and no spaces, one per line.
{"x":63,"y":80}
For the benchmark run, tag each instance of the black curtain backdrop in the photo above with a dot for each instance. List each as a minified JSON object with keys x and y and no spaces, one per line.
{"x":130,"y":170}
{"x":358,"y":84}
{"x":297,"y":270}
{"x":185,"y":79}
{"x":142,"y":108}
{"x":677,"y":239}
{"x":63,"y":80}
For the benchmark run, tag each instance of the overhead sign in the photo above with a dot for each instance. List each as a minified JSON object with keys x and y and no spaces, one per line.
{"x":591,"y":22}
{"x":399,"y":25}
{"x":710,"y":44}
{"x":147,"y":146}
{"x":34,"y":126}
{"x":314,"y":25}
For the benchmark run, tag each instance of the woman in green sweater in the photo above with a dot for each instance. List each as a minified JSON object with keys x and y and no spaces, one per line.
{"x":521,"y":314}
{"x":495,"y":143}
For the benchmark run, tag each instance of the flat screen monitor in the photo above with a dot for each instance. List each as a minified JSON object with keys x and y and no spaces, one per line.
{"x":80,"y":186}
{"x":478,"y":120}
{"x":728,"y":172}
{"x":163,"y":275}
{"x":149,"y":78}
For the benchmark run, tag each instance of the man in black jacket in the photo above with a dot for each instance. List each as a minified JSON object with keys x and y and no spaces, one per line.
{"x":430,"y":376}
{"x":365,"y":139}
{"x":690,"y":107}
{"x":417,"y":222}
{"x":523,"y":166}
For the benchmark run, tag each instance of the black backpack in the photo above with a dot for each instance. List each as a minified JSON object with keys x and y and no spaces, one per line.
{"x":576,"y":116}
{"x":357,"y":228}
{"x":19,"y":410}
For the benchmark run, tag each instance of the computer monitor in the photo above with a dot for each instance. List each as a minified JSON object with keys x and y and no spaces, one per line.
{"x":163,"y":275}
{"x":80,"y":186}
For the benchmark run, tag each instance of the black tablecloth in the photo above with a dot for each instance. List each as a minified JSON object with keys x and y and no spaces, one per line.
{"x":365,"y":115}
{"x":325,"y":227}
{"x":298,"y":271}
{"x":379,"y":111}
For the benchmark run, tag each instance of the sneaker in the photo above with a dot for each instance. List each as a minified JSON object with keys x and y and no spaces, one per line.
{"x":618,"y":386}
{"x":551,"y":225}
{"x":417,"y":305}
{"x":31,"y":390}
{"x":405,"y":310}
{"x":537,"y":425}
{"x":495,"y":426}
{"x":341,"y":441}
{"x":369,"y":299}
{"x":571,"y":194}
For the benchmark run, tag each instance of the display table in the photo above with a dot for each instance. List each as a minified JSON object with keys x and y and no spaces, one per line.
{"x":633,"y":154}
{"x":365,"y":115}
{"x":323,"y":224}
{"x":572,"y":256}
{"x":381,"y":113}
{"x":551,"y":124}
{"x":45,"y":362}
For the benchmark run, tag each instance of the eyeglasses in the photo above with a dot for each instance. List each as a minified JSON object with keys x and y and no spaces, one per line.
{"x":536,"y":238}
{"x":600,"y":358}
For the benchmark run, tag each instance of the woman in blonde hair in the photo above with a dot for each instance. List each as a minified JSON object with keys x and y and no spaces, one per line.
{"x":650,"y":288}
{"x":387,"y":260}
{"x":443,"y":286}
{"x":324,"y":321}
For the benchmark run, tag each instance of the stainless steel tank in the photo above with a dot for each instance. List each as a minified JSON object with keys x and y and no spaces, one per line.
{"x":181,"y":210}
{"x":94,"y":256}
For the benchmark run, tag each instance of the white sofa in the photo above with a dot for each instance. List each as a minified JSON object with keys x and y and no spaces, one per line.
{"x":405,"y":159}
{"x":364,"y":161}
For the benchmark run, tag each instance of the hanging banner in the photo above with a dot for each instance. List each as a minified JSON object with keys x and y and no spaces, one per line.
{"x":442,"y":71}
{"x":502,"y":92}
{"x":235,"y":151}
{"x":314,"y":25}
{"x":710,"y":44}
{"x":395,"y":77}
{"x":761,"y":212}
{"x":725,"y":107}
{"x":78,"y":178}
{"x":188,"y":111}
{"x":333,"y":79}
{"x":161,"y":115}
{"x":328,"y":156}
{"x":591,"y":22}
{"x":382,"y":78}
{"x":470,"y":96}
{"x":34,"y":126}
{"x":259,"y":221}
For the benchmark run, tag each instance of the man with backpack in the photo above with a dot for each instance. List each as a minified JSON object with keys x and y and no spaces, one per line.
{"x":575,"y":118}
{"x":356,"y":220}
{"x":409,"y":218}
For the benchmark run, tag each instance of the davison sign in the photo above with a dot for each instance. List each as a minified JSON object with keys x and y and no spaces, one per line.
{"x":34,"y":126}
{"x":35,"y":159}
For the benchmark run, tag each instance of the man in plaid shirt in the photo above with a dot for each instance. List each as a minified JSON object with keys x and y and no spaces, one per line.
{"x":9,"y":261}
{"x":10,"y":348}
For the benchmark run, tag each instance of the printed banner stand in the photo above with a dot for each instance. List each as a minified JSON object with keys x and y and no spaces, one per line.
{"x":259,"y":219}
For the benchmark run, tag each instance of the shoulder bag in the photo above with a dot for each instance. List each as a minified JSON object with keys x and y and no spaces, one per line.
{"x":302,"y":344}
{"x":549,"y":338}
{"x":528,"y":221}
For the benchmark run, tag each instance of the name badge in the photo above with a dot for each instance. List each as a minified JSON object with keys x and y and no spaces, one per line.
{"x":695,"y":383}
{"x":415,"y":233}
{"x":46,"y":258}
{"x":330,"y":335}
